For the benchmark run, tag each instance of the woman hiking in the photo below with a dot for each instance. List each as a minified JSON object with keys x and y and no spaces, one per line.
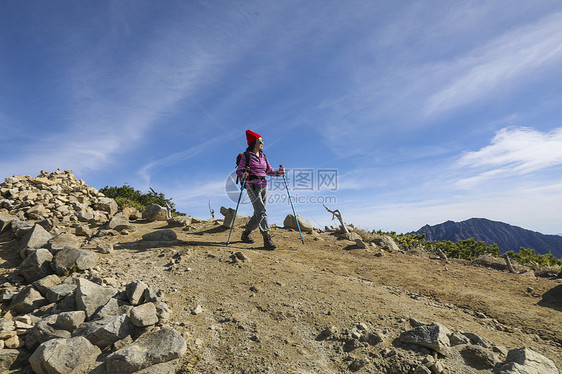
{"x":253,"y":167}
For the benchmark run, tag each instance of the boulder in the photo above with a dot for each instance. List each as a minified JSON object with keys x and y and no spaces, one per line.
{"x":179,"y":221}
{"x":84,"y":230}
{"x":106,"y":248}
{"x":36,"y":212}
{"x":386,"y":242}
{"x":26,"y":301}
{"x":35,"y":238}
{"x":527,"y":361}
{"x":74,"y":355}
{"x":434,"y":336}
{"x":118,"y":222}
{"x":228,"y":214}
{"x":149,"y":349}
{"x":90,"y":297}
{"x":70,"y":321}
{"x":20,"y":229}
{"x":132,"y":213}
{"x":144,"y":315}
{"x":160,"y":236}
{"x":43,"y":284}
{"x":351,"y":236}
{"x":155,"y":212}
{"x":478,"y":357}
{"x":71,"y":259}
{"x":135,"y":292}
{"x":5,"y":221}
{"x":37,"y":265}
{"x":108,"y":205}
{"x":43,"y":331}
{"x":63,"y":240}
{"x":106,"y":331}
{"x":12,"y":358}
{"x":59,"y":292}
{"x":291,"y":223}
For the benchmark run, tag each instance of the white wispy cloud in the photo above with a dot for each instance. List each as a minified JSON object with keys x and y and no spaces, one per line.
{"x":513,"y":151}
{"x":501,"y":64}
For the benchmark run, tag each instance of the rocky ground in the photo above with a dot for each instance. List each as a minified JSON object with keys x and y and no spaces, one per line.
{"x":325,"y":306}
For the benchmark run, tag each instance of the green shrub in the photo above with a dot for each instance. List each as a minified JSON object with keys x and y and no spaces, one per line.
{"x":128,"y":196}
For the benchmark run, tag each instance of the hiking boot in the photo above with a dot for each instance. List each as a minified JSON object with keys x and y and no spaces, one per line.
{"x":267,"y":243}
{"x":246,"y":237}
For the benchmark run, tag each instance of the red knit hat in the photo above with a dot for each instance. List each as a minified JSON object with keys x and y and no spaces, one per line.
{"x":251,"y":136}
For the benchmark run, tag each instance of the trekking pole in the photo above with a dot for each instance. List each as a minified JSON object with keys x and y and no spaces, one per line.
{"x":295,"y":214}
{"x":236,"y":212}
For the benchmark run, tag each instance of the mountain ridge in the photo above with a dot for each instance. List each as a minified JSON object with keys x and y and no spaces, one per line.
{"x":506,"y":236}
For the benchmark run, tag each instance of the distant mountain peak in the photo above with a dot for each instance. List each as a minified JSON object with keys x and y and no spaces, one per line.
{"x":506,"y":236}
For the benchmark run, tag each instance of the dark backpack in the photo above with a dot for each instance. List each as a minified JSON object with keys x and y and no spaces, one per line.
{"x":247,"y":155}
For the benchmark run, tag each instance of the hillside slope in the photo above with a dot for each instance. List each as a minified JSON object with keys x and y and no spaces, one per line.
{"x":265,"y":313}
{"x":507,"y":237}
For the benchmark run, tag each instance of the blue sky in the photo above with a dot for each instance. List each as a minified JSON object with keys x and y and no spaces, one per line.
{"x":427,"y":111}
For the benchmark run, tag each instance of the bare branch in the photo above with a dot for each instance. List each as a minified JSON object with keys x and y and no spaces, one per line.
{"x":337,"y":214}
{"x":509,"y":265}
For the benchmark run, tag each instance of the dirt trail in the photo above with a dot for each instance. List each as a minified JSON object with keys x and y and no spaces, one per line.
{"x":264,"y":314}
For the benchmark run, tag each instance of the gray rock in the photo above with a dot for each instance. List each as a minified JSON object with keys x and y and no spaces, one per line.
{"x":422,"y":370}
{"x":84,"y":230}
{"x":86,"y":260}
{"x":387,"y":243}
{"x":72,"y":259}
{"x":43,"y":331}
{"x":479,"y":357}
{"x":135,"y":292}
{"x":35,"y":238}
{"x":477,"y":340}
{"x":527,"y":361}
{"x":45,"y":283}
{"x":20,"y":229}
{"x":105,"y":248}
{"x":160,"y":236}
{"x":291,"y":223}
{"x":65,"y":261}
{"x":434,"y":336}
{"x":351,"y":236}
{"x":70,"y":321}
{"x":59,"y":292}
{"x":90,"y":297}
{"x":12,"y":358}
{"x":170,"y":367}
{"x":5,"y":221}
{"x":144,"y":315}
{"x":458,"y":338}
{"x":150,"y":349}
{"x":179,"y":221}
{"x":114,"y":307}
{"x":163,"y":311}
{"x":118,"y":221}
{"x":37,"y":265}
{"x":108,"y":205}
{"x":361,"y":244}
{"x":373,"y":338}
{"x":26,"y":301}
{"x":106,"y":331}
{"x":85,"y":215}
{"x":228,"y":214}
{"x":74,"y":355}
{"x":155,"y":212}
{"x":63,"y":240}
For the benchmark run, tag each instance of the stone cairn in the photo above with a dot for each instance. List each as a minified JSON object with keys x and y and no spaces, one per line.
{"x":57,"y":316}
